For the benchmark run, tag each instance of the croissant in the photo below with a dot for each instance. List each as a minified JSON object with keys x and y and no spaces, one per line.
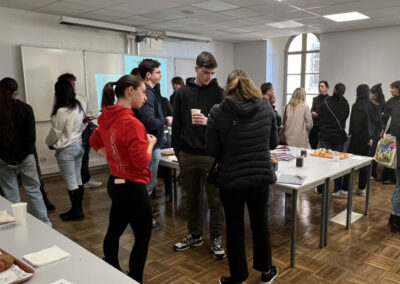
{"x":6,"y":261}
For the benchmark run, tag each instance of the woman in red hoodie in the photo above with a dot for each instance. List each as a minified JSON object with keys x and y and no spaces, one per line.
{"x":123,"y":140}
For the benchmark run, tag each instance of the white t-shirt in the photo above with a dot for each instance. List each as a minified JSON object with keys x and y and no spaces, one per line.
{"x":67,"y":127}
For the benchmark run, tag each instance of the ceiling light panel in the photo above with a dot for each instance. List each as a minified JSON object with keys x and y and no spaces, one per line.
{"x":285,"y":25}
{"x":346,"y":17}
{"x":215,"y":6}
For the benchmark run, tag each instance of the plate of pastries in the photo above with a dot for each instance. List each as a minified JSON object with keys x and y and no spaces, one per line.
{"x":327,"y":153}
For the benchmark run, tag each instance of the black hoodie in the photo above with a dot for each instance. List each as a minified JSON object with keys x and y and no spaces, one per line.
{"x":186,"y":136}
{"x":240,"y":134}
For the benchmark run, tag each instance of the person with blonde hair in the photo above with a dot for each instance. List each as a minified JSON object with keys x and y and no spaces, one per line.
{"x":241,"y":130}
{"x":297,"y":120}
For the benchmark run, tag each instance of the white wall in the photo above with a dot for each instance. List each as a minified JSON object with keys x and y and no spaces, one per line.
{"x":252,"y":58}
{"x":19,"y":27}
{"x":361,"y":57}
{"x":276,"y":68}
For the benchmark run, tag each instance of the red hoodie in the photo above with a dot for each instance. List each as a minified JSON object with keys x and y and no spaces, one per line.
{"x":125,"y":140}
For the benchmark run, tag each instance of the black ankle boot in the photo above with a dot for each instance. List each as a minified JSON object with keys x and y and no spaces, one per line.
{"x":391,"y":219}
{"x":395,"y":224}
{"x":75,"y":213}
{"x":50,"y":206}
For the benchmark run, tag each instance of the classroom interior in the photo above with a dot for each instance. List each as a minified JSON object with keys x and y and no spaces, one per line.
{"x":246,"y":35}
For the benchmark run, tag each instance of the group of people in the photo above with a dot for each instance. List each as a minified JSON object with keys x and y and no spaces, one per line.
{"x":133,"y":127}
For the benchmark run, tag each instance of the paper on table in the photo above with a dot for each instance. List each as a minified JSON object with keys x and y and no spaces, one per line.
{"x":5,"y":217}
{"x":13,"y":274}
{"x":291,"y":179}
{"x":61,"y":281}
{"x":46,"y":256}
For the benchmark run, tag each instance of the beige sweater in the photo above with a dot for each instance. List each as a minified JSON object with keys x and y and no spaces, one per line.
{"x":297,"y":124}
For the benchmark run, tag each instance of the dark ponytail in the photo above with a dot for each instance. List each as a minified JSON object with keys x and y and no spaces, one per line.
{"x":7,"y":128}
{"x":120,"y":86}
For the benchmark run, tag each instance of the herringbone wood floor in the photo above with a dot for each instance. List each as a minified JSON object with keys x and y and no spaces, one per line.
{"x":368,"y":253}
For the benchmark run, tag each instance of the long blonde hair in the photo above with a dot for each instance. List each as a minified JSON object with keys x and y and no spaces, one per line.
{"x":298,"y":97}
{"x":241,"y":85}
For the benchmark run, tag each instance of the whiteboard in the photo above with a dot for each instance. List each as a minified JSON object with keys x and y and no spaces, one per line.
{"x":101,"y":68}
{"x":185,"y":68}
{"x":41,"y":68}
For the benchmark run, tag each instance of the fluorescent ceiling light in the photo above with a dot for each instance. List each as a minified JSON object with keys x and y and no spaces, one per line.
{"x":285,"y":25}
{"x":215,"y":6}
{"x":346,"y":17}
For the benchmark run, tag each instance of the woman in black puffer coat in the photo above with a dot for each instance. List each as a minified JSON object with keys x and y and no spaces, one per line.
{"x":240,"y":133}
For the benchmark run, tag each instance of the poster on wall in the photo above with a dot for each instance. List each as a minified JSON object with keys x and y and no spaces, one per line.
{"x":132,"y":61}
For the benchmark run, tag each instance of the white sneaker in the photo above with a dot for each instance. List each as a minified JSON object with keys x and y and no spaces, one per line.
{"x":93,"y":183}
{"x":340,"y":194}
{"x":360,"y":192}
{"x":217,"y":248}
{"x":317,"y":192}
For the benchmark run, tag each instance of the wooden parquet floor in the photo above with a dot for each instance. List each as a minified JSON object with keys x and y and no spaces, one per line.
{"x":368,"y":253}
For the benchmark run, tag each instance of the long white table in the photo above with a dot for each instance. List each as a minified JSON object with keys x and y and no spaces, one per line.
{"x":318,"y":171}
{"x":81,"y":267}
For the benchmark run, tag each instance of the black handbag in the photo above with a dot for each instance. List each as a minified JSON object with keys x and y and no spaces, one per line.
{"x":341,"y":129}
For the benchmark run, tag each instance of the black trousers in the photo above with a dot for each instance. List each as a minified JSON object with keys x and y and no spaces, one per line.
{"x":130,"y":205}
{"x":363,"y":175}
{"x":233,"y":201}
{"x":85,"y":166}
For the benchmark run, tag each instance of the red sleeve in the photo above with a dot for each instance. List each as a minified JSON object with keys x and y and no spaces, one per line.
{"x":95,"y":140}
{"x":136,"y":139}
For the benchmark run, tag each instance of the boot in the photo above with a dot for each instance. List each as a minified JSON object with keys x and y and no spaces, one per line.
{"x":395,"y":224}
{"x":49,"y":205}
{"x":75,"y":213}
{"x":391,"y":218}
{"x":81,"y":194}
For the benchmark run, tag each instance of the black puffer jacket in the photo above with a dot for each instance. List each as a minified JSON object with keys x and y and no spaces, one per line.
{"x":240,"y":134}
{"x":328,"y":126}
{"x":394,"y":129}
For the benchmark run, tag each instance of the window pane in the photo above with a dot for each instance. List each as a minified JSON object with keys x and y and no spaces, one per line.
{"x":312,"y":42}
{"x":296,"y":44}
{"x":293,"y":82}
{"x":287,"y":101}
{"x":294,"y":64}
{"x":309,"y":99}
{"x":312,"y":84}
{"x":312,"y":63}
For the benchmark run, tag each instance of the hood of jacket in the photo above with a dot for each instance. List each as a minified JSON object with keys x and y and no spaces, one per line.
{"x":190,"y":82}
{"x":111,"y":113}
{"x":232,"y":104}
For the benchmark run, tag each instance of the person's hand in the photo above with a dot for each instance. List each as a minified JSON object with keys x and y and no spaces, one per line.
{"x":199,"y":119}
{"x":13,"y":166}
{"x":169,"y":120}
{"x":370,"y":142}
{"x":314,"y":114}
{"x":152,"y":139}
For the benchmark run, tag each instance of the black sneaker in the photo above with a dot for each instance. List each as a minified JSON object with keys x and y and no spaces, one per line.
{"x":187,"y":242}
{"x":217,"y":248}
{"x":227,"y":280}
{"x":268,"y":278}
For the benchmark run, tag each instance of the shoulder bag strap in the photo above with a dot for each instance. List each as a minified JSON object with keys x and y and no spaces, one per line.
{"x":331,"y":111}
{"x":388,"y":124}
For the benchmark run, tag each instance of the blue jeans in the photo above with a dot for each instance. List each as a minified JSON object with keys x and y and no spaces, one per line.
{"x":69,"y":161}
{"x":155,"y":159}
{"x":334,"y":147}
{"x":30,"y":182}
{"x":396,"y":195}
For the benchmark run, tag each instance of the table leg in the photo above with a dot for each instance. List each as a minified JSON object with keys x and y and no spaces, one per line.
{"x":327,"y":186}
{"x":368,"y":188}
{"x":350,"y":200}
{"x":293,"y":237}
{"x":323,"y":212}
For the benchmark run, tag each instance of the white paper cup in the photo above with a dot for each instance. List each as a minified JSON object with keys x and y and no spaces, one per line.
{"x":336,"y":156}
{"x":19,"y":211}
{"x":195,"y":111}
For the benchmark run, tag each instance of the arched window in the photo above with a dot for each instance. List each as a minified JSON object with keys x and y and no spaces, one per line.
{"x":302,"y":65}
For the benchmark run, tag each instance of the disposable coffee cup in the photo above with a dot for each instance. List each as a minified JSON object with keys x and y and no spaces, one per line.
{"x":336,"y":156}
{"x":195,"y":111}
{"x":19,"y":212}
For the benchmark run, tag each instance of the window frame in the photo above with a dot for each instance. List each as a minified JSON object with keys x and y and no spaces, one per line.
{"x":303,"y":54}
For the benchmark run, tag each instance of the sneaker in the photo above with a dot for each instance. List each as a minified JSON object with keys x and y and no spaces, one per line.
{"x":388,"y":182}
{"x":340,"y":194}
{"x":155,"y":224}
{"x":268,"y":278}
{"x":93,"y":183}
{"x":187,"y":242}
{"x":217,"y":248}
{"x":317,"y":192}
{"x":360,"y":192}
{"x":227,"y":280}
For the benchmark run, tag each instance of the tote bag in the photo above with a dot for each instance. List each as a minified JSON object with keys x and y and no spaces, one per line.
{"x":386,"y":150}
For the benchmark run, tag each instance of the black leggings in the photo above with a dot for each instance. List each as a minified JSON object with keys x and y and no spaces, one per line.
{"x":130,"y":205}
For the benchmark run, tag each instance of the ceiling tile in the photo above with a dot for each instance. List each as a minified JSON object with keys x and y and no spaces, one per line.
{"x":304,"y":4}
{"x":138,"y":21}
{"x":188,"y":22}
{"x":169,"y":14}
{"x":241,"y":13}
{"x":389,"y":11}
{"x":333,"y":9}
{"x":298,"y":14}
{"x":264,"y":19}
{"x":106,"y":13}
{"x":235,"y":30}
{"x":96,"y":3}
{"x":142,"y":7}
{"x":215,"y":5}
{"x":238,"y":23}
{"x":25,"y":5}
{"x":214,"y":17}
{"x":368,"y":4}
{"x":65,"y":8}
{"x":246,"y":3}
